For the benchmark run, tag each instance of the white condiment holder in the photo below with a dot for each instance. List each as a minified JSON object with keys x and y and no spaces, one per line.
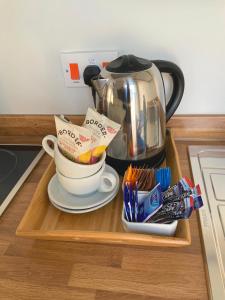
{"x":149,"y":228}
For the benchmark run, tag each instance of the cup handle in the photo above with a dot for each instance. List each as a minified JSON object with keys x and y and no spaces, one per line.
{"x":107,"y":183}
{"x":46,"y":146}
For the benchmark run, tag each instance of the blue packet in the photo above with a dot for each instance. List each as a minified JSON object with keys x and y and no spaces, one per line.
{"x":132,"y":202}
{"x":150,"y":204}
{"x":130,"y":196}
{"x":127,"y":206}
{"x":136,"y":202}
{"x":163,"y":176}
{"x":198,"y":202}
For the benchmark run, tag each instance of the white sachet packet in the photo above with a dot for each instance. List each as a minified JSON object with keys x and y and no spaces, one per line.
{"x":73,"y":141}
{"x":103,"y":131}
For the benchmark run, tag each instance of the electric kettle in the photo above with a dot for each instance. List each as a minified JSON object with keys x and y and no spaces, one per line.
{"x":130,"y":91}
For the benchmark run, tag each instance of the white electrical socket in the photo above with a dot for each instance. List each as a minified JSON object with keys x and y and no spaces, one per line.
{"x":74,"y":63}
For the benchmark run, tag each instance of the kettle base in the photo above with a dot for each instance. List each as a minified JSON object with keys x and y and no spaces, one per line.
{"x":121,"y":165}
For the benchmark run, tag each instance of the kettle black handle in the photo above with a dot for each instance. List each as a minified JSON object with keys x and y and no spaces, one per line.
{"x":178,"y":84}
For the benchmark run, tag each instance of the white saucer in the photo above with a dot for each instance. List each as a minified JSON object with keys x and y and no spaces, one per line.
{"x":80,"y":204}
{"x":82,"y":211}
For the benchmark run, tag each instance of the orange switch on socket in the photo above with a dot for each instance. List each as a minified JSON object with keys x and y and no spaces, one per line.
{"x":74,"y":72}
{"x":105,"y":64}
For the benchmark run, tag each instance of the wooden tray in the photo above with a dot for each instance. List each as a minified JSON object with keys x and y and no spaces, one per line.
{"x":43,"y":221}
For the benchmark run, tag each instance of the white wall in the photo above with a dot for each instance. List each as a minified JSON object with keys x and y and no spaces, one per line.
{"x":190,"y":33}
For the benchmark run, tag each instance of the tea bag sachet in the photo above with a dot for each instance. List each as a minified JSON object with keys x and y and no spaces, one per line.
{"x":73,"y":141}
{"x":103,"y":131}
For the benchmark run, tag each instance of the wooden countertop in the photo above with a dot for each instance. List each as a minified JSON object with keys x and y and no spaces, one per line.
{"x":32,"y":269}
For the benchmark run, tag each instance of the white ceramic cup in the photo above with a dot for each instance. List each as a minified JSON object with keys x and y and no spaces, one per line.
{"x":67,"y":167}
{"x":101,"y":181}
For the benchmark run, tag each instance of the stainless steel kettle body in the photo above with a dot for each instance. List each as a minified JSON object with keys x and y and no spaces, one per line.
{"x":130,"y":91}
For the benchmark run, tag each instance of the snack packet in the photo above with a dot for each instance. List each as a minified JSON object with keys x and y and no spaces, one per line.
{"x":103,"y":131}
{"x":183,"y":187}
{"x":175,"y":210}
{"x":180,"y":203}
{"x":73,"y":141}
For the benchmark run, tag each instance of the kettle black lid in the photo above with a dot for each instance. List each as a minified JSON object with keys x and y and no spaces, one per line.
{"x":128,"y":64}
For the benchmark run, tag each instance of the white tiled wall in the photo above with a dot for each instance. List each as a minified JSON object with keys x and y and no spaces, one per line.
{"x":32,"y":33}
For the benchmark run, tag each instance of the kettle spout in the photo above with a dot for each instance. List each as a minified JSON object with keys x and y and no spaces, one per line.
{"x":99,"y":84}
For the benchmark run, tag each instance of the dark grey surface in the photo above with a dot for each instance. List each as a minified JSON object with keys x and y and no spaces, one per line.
{"x":14,"y":160}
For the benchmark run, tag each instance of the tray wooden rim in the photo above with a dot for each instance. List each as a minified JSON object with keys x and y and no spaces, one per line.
{"x":103,"y":237}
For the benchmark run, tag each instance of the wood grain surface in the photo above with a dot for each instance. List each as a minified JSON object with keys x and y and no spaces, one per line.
{"x":185,"y":126}
{"x":32,"y":269}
